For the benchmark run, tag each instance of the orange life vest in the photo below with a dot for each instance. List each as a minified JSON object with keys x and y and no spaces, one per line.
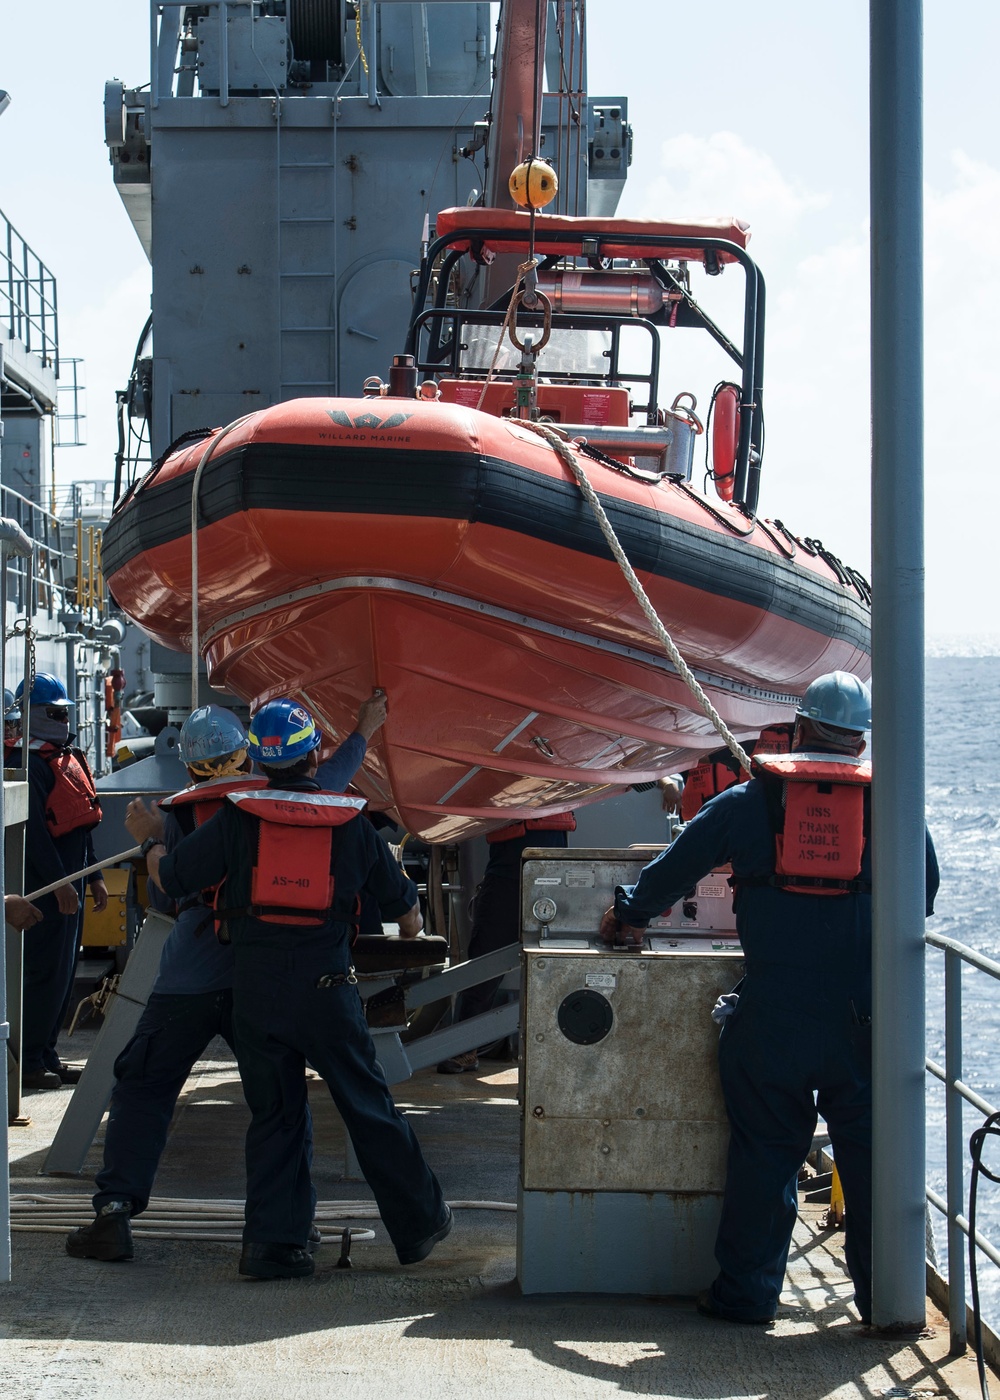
{"x":292,"y":880}
{"x":774,"y":739}
{"x":703,"y":782}
{"x":73,"y":804}
{"x":820,"y":834}
{"x":207,"y":798}
{"x":562,"y":821}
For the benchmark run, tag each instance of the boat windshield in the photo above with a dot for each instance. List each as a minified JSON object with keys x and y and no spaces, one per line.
{"x":617,"y":352}
{"x":572,"y":354}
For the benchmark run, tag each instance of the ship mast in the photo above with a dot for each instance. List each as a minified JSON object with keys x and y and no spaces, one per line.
{"x":516,"y":133}
{"x":517,"y":94}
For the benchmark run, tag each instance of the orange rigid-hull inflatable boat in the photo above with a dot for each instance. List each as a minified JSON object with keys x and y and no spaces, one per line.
{"x":411,"y":540}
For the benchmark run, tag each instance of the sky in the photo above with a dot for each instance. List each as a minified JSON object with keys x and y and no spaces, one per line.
{"x":755,"y":110}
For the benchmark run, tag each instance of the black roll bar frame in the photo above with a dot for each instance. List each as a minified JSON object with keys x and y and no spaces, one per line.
{"x":751,"y":363}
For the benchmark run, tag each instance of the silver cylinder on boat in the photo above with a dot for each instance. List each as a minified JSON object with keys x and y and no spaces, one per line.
{"x":678,"y":459}
{"x":623,"y":293}
{"x":668,"y":449}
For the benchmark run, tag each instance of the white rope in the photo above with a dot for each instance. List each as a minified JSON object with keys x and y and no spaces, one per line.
{"x":208,"y":1235}
{"x":130,"y":854}
{"x":669,"y":645}
{"x":26,"y":1202}
{"x":182,"y":1218}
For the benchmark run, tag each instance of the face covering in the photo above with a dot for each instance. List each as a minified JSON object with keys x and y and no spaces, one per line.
{"x":51,"y":731}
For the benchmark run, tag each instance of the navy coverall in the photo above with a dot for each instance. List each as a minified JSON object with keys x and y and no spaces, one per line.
{"x":191,"y":1003}
{"x":800,"y":1038}
{"x":50,"y":947}
{"x":283,"y":1016}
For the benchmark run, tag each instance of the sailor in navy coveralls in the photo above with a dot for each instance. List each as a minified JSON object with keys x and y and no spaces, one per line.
{"x":63,"y":810}
{"x":192,"y":998}
{"x":800,"y":1035}
{"x":294,"y":997}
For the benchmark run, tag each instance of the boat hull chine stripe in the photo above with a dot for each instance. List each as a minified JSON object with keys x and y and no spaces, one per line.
{"x":419,"y":484}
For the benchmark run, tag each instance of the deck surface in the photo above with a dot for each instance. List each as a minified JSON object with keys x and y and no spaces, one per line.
{"x":178,"y":1321}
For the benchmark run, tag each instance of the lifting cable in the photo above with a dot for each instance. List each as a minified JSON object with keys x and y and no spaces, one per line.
{"x":569,"y":458}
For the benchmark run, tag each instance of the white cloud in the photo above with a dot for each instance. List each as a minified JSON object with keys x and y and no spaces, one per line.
{"x":961,"y":376}
{"x":722,"y":174}
{"x":816,"y":361}
{"x":816,"y":474}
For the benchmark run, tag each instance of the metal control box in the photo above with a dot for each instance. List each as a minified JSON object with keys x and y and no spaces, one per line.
{"x":565,"y":892}
{"x":624,"y":1132}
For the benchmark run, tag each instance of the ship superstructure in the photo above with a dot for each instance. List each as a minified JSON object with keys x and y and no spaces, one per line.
{"x":284,"y":163}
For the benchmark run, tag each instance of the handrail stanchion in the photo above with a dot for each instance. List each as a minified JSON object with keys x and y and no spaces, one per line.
{"x":898,"y":901}
{"x":14,"y":541}
{"x":955,"y":1148}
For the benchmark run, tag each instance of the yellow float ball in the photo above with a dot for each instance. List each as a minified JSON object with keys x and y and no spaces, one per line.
{"x":533,"y":184}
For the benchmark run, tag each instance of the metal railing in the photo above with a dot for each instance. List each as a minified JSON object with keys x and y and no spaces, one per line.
{"x":71,"y":410}
{"x":28,"y":305}
{"x":47,"y":580}
{"x":958,"y":1093}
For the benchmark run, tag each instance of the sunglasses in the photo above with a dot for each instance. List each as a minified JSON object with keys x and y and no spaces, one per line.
{"x":57,"y":712}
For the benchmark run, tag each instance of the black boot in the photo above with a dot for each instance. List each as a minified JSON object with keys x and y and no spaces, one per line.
{"x":419,"y":1251}
{"x":109,"y":1238}
{"x":276,"y":1261}
{"x":40,"y":1078}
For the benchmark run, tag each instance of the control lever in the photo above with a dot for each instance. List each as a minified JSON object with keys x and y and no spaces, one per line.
{"x":623,"y":938}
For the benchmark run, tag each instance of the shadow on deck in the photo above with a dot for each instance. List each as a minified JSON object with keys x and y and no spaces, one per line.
{"x":179,"y":1321}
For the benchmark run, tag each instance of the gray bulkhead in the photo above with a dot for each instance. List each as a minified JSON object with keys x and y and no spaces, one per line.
{"x":283,"y":201}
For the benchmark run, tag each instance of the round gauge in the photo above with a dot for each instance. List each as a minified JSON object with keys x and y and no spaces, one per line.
{"x":544,"y":910}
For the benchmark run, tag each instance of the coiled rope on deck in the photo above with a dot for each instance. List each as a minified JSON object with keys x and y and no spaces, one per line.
{"x":569,"y":458}
{"x":166,"y":1218}
{"x":219,"y":1221}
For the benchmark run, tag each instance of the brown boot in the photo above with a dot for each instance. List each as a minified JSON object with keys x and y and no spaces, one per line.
{"x":459,"y":1064}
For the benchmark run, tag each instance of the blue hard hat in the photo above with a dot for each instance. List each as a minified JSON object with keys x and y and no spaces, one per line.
{"x":839,"y":699}
{"x":10,"y":707}
{"x":281,"y":733}
{"x":46,"y":690}
{"x":210,"y":732}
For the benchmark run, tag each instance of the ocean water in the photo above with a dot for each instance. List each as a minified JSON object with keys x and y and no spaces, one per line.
{"x":963,"y":813}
